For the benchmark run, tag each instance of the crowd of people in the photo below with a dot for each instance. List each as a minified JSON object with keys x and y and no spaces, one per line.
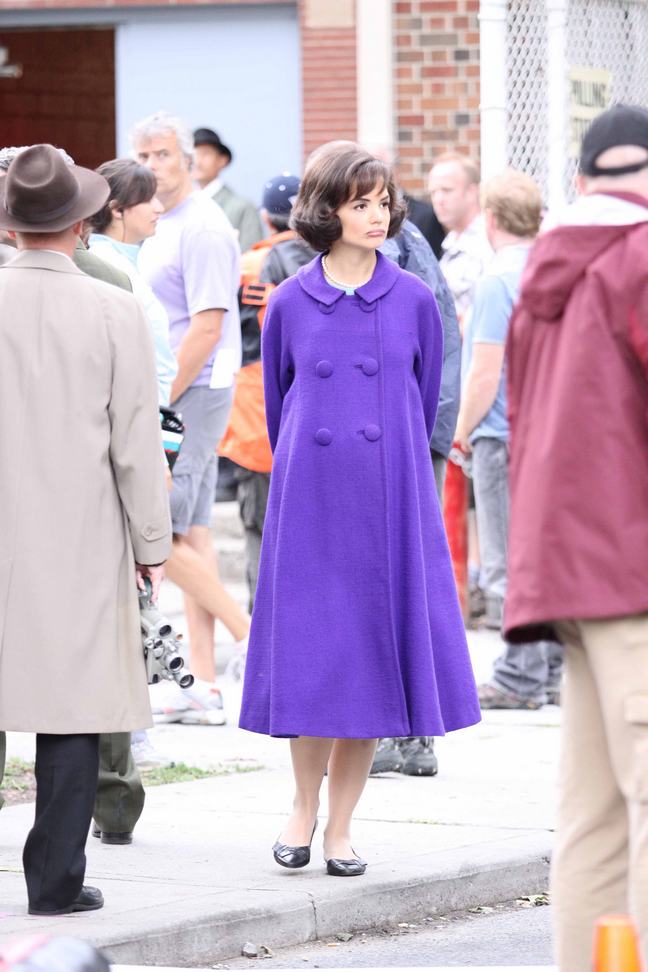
{"x":334,"y":347}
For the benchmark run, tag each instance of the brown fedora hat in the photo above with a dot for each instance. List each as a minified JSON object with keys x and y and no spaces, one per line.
{"x":41,"y":193}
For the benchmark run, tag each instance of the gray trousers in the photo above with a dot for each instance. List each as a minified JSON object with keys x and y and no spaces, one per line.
{"x":531,"y":669}
{"x":120,"y":794}
{"x":252,"y":493}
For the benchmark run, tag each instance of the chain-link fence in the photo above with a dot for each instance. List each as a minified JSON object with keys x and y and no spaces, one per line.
{"x":599,"y":49}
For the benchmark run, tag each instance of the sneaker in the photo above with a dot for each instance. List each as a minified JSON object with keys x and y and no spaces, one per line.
{"x":494,"y":698}
{"x":235,"y":669}
{"x":168,"y":702}
{"x":204,"y":705}
{"x":147,"y":757}
{"x":388,"y":757}
{"x":418,"y":756}
{"x":553,"y":696}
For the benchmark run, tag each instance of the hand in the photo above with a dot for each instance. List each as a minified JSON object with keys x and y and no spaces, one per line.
{"x":461,"y":441}
{"x":155,"y":575}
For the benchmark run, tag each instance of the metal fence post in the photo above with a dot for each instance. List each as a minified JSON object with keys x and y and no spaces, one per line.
{"x":557,"y":101}
{"x":493,"y":109}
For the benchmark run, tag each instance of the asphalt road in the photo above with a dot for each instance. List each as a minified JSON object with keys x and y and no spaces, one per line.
{"x":514,"y":934}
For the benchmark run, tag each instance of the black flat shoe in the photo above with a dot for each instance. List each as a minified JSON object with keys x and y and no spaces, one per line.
{"x":108,"y":837}
{"x":88,"y":899}
{"x":339,"y":868}
{"x":293,"y":857}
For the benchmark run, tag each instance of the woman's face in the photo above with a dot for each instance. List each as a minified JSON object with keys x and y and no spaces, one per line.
{"x":139,"y":221}
{"x":365,"y":220}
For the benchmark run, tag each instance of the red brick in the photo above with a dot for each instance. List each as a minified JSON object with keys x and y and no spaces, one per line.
{"x":439,"y":72}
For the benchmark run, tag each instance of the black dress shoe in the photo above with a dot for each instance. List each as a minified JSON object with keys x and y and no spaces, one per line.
{"x":88,"y":899}
{"x":339,"y":868}
{"x":108,"y":837}
{"x":293,"y":857}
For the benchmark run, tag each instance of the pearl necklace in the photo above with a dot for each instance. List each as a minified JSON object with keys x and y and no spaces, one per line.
{"x":338,"y":283}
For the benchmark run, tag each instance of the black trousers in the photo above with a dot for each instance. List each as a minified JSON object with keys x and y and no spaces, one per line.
{"x":66,"y":784}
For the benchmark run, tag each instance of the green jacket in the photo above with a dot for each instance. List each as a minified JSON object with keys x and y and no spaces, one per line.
{"x":94,"y":266}
{"x":243,"y":216}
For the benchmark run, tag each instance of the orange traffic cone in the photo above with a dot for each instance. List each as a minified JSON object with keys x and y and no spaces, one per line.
{"x":616,"y":945}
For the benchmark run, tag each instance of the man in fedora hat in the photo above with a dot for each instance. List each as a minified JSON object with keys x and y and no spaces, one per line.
{"x":83,"y":511}
{"x":211,"y":157}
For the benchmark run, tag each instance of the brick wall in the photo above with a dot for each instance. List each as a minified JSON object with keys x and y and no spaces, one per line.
{"x":329,"y":96}
{"x":436,"y":85}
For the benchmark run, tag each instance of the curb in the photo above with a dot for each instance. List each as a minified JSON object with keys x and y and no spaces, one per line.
{"x":213,"y":927}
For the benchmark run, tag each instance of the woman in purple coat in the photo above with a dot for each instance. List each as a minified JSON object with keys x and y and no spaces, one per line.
{"x":357,"y":632}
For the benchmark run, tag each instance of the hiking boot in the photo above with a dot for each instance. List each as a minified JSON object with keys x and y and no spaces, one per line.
{"x":388,"y":758}
{"x":494,"y":698}
{"x":418,"y":756}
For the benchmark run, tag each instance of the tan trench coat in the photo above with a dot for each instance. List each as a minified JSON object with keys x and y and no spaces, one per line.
{"x":81,"y":491}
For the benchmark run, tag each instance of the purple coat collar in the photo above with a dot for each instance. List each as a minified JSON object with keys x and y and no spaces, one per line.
{"x":312,"y":280}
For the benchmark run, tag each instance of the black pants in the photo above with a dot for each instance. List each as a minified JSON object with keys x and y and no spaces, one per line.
{"x":66,"y":784}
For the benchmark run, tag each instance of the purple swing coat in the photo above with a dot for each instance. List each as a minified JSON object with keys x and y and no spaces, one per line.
{"x":356,"y":630}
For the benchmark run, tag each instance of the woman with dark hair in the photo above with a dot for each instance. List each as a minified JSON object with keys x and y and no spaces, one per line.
{"x":117,"y":230}
{"x":357,"y":632}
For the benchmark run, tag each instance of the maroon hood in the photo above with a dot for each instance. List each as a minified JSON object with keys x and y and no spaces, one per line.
{"x":558,"y":259}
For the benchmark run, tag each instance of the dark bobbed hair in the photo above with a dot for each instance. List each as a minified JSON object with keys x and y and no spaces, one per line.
{"x":130,"y":184}
{"x":335,"y":175}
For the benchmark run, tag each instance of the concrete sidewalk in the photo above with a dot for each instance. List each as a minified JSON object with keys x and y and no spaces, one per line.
{"x":199,"y":880}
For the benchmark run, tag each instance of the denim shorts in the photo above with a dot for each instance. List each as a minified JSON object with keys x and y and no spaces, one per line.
{"x":205,"y":413}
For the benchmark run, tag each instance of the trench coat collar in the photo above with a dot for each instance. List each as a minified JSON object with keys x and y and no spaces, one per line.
{"x":43,"y":260}
{"x":312,"y":280}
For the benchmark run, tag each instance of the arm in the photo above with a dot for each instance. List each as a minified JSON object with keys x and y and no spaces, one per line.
{"x":480,"y":389}
{"x":277,"y":370}
{"x":136,"y":453}
{"x":486,"y":337}
{"x":429,"y":360}
{"x":196,"y":347}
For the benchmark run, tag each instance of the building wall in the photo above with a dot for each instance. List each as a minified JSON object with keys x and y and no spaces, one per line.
{"x":436,"y":83}
{"x":329,"y":71}
{"x":235,"y":70}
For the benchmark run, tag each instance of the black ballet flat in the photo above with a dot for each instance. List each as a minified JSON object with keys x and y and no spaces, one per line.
{"x":340,"y":868}
{"x":293,"y":857}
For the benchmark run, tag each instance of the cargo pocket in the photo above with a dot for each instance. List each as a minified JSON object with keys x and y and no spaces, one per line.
{"x":636,"y":715}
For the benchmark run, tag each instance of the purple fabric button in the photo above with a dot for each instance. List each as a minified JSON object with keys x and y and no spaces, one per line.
{"x":324,"y":369}
{"x":326,"y":308}
{"x":370,"y":366}
{"x":368,"y":308}
{"x":372,"y":432}
{"x":324,"y":437}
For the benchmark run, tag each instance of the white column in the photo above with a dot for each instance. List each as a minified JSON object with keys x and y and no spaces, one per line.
{"x":375,"y":67}
{"x":557,"y":93}
{"x":492,"y":34}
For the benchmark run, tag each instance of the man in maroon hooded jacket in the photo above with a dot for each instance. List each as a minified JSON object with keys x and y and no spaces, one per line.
{"x":578,"y":555}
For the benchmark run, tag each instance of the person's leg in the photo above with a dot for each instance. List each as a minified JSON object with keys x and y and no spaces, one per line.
{"x":348,"y":770}
{"x":3,"y":756}
{"x":618,"y":653}
{"x":252,"y":495}
{"x":439,"y":465}
{"x":490,"y":483}
{"x":66,"y":783}
{"x":554,"y":677}
{"x":310,"y":757}
{"x":190,"y":572}
{"x":520,"y":674}
{"x":120,"y":795}
{"x":590,"y":859}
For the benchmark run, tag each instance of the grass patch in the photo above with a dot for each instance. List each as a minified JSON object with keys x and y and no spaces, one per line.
{"x":19,"y":785}
{"x":181,"y":773}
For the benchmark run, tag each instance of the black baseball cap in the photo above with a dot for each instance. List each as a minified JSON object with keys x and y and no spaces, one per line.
{"x":619,"y":125}
{"x":207,"y":136}
{"x":280,"y":193}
